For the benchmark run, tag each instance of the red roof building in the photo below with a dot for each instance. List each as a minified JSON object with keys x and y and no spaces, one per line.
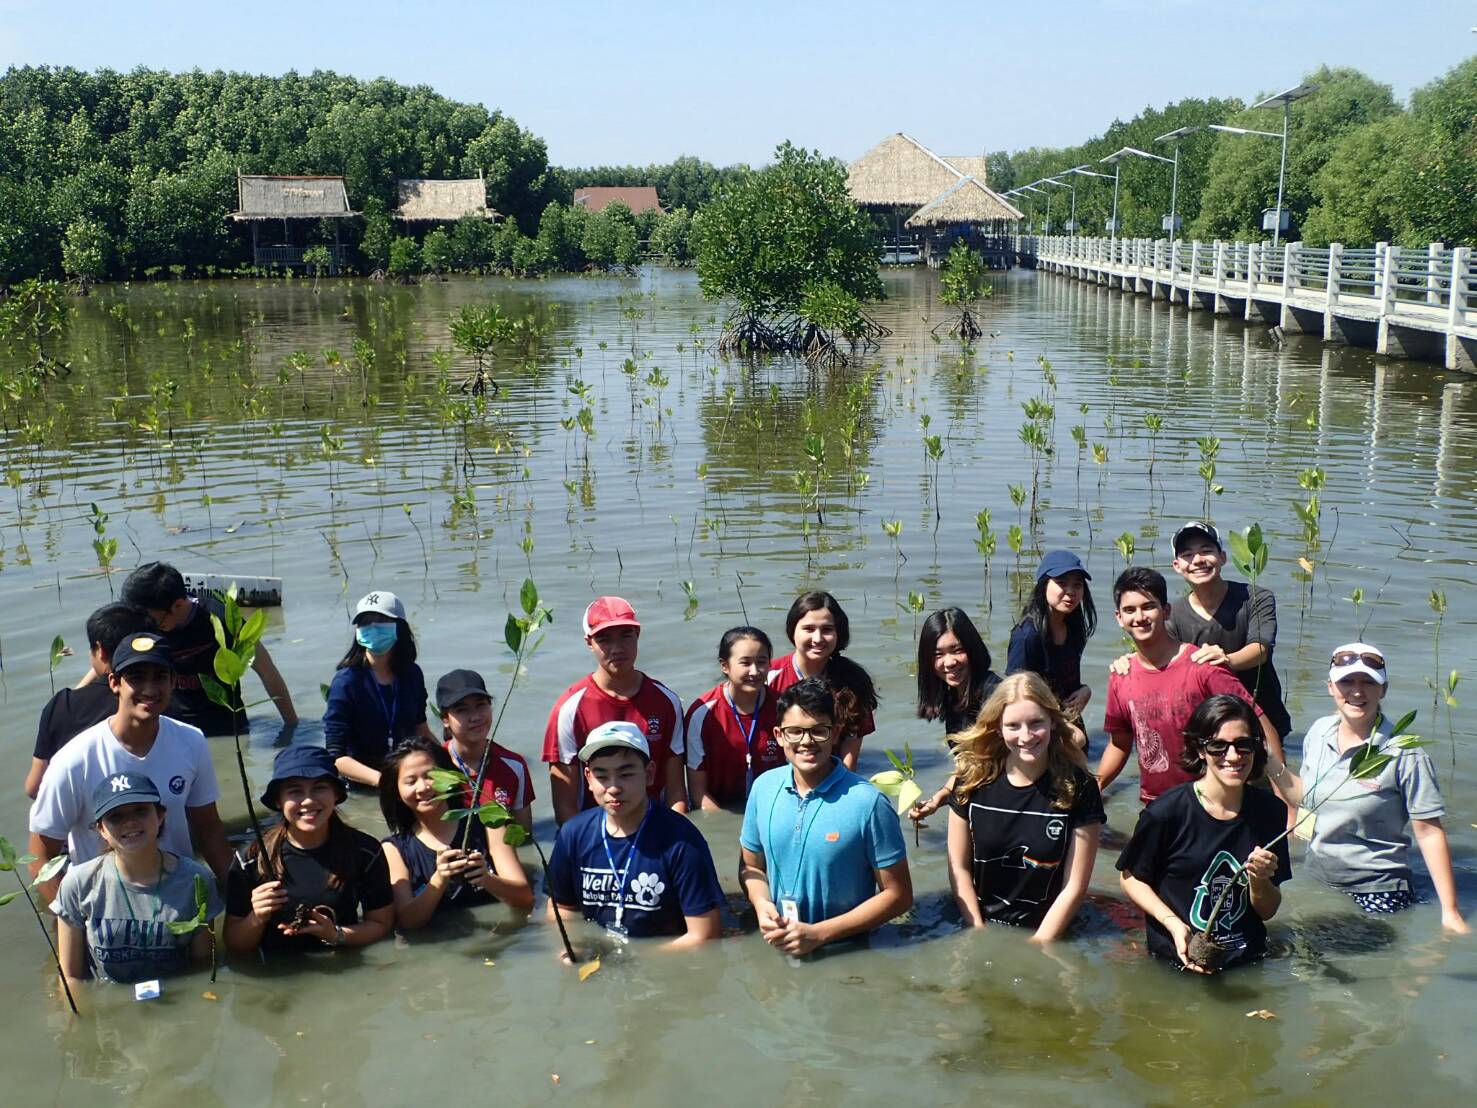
{"x":639,"y":198}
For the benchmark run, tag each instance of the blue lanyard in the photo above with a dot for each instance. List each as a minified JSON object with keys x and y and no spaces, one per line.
{"x":814,"y":794}
{"x":394,"y":708}
{"x":620,"y":893}
{"x":753,"y":723}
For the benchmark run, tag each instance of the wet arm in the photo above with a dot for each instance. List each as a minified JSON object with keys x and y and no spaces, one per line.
{"x":674,"y":785}
{"x":697,"y":791}
{"x":755,"y":880}
{"x":700,"y":929}
{"x":356,"y":771}
{"x":961,"y":876}
{"x":893,"y":897}
{"x":276,"y":688}
{"x":1081,"y":854}
{"x":412,"y":910}
{"x":71,"y":950}
{"x":34,"y":775}
{"x":208,"y":836}
{"x":509,"y":882}
{"x":1430,"y":836}
{"x":1115,"y":757}
{"x":565,"y":790}
{"x":374,"y":926}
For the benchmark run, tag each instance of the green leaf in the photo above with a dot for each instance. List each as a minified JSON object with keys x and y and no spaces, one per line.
{"x":7,"y":898}
{"x":897,"y":763}
{"x":52,"y":867}
{"x":58,"y":651}
{"x":1403,"y":723}
{"x":7,"y":853}
{"x":323,"y":689}
{"x":515,"y":834}
{"x":215,"y":692}
{"x":528,"y":597}
{"x":493,"y":814}
{"x":183,"y":926}
{"x":251,"y":633}
{"x":1412,"y":742}
{"x":447,"y":780}
{"x":513,"y":633}
{"x":1368,"y":762}
{"x":220,"y":631}
{"x":229,"y":667}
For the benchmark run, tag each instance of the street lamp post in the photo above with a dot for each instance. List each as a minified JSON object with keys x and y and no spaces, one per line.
{"x":1115,"y":159}
{"x":1175,"y":136}
{"x":1083,"y":171}
{"x":1285,"y":99}
{"x":1071,"y":222}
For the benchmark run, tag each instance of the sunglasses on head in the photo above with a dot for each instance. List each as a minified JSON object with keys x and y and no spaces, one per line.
{"x":1351,"y":657}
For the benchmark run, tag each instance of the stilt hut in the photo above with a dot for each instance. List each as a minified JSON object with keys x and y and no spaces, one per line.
{"x":899,"y":176}
{"x":423,"y":201}
{"x":968,"y":210}
{"x":295,"y":204}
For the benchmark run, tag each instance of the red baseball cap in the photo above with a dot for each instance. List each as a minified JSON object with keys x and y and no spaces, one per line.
{"x":609,"y":611}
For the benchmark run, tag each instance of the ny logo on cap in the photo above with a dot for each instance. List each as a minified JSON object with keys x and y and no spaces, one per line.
{"x":372,"y":598}
{"x":120,"y":784}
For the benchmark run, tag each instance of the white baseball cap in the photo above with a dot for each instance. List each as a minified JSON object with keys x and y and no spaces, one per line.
{"x":1358,"y":657}
{"x":617,"y":733}
{"x":382,"y":602}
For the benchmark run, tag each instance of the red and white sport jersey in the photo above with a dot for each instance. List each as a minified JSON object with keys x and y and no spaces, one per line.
{"x":731,"y":747}
{"x":582,"y":707}
{"x":783,"y":672}
{"x":507,"y":781}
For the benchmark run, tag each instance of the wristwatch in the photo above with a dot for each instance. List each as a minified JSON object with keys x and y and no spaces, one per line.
{"x":338,"y":935}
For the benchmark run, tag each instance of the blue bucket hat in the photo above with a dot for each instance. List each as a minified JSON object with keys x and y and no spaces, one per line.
{"x":1059,"y":563}
{"x":302,"y":760}
{"x":118,"y":789}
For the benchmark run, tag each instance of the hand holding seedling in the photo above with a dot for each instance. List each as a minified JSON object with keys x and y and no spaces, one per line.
{"x":267,"y":899}
{"x":1180,"y":932}
{"x":1261,"y":866}
{"x":316,"y":922}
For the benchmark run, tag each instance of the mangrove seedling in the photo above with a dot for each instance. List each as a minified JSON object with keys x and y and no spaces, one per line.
{"x":900,"y":783}
{"x":962,"y":283}
{"x":198,"y":920}
{"x":1126,"y":547}
{"x":985,"y":544}
{"x":11,"y":863}
{"x":1154,"y":422}
{"x":1367,"y":762}
{"x":58,"y":652}
{"x":476,"y":331}
{"x":236,"y":639}
{"x":893,"y":529}
{"x":1210,"y":450}
{"x":105,"y":548}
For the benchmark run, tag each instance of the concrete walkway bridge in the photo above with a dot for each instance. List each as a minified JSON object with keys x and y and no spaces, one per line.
{"x":1404,"y":303}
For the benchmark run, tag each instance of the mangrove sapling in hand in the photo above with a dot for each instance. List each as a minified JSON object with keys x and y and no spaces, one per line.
{"x":236,"y":640}
{"x":10,"y":863}
{"x":900,"y":783}
{"x":1367,"y":762}
{"x":198,"y":920}
{"x":59,"y":650}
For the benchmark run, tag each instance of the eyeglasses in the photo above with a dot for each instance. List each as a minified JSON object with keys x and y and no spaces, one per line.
{"x":1217,"y":748}
{"x":1350,"y":657}
{"x":794,"y":736}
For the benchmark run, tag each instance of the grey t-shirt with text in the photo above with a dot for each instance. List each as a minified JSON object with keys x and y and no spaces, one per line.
{"x":126,"y":924}
{"x":1360,"y":844}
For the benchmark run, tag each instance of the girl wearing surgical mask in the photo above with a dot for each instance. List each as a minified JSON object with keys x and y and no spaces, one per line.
{"x":378,"y":695}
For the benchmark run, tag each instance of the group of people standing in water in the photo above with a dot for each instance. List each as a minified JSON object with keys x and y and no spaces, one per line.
{"x":123,"y":782}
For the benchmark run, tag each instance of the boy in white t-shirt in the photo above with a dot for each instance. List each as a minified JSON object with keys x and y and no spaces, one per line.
{"x":138,"y":739}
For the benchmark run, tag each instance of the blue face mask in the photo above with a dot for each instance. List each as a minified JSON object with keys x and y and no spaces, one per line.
{"x":377,"y":638}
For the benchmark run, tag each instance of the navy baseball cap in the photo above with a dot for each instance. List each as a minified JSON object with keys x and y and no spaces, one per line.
{"x":301,"y":760}
{"x":118,"y":789}
{"x":456,"y":686}
{"x":1196,"y":529}
{"x":143,"y":649}
{"x":1059,"y":563}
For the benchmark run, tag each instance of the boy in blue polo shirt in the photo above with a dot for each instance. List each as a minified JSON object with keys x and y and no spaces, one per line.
{"x":823,"y":854}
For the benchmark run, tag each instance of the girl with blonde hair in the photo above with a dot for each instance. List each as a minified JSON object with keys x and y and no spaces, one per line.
{"x":1024,"y":816}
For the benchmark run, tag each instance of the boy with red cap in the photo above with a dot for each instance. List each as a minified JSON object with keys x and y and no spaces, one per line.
{"x":615,"y":691}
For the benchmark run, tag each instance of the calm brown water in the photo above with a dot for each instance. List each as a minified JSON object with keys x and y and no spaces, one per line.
{"x":309,"y":473}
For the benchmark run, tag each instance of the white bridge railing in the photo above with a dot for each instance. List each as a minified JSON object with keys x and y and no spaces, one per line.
{"x":1433,"y":289}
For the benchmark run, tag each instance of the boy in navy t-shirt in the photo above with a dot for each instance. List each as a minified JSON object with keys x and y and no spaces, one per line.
{"x":637,"y":868}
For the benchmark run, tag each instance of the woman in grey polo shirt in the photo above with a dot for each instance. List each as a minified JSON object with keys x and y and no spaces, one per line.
{"x":1359,"y":841}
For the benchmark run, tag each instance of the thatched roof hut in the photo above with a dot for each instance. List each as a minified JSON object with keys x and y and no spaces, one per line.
{"x":967,"y":201}
{"x":971,"y":165}
{"x":899,"y":172}
{"x":427,"y":201}
{"x":261,"y":197}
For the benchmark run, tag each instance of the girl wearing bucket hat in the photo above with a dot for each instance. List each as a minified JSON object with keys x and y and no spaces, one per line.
{"x":321,"y":882}
{"x":1057,"y":621}
{"x":378,"y":694}
{"x":113,"y":912}
{"x":1359,"y":841}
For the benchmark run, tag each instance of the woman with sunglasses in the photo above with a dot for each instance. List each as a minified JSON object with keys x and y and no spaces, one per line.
{"x":1194,"y":840}
{"x":1359,"y":841}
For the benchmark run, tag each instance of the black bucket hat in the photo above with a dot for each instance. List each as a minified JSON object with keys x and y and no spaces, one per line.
{"x":302,"y":760}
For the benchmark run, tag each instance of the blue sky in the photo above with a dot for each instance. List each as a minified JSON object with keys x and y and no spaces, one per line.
{"x":637,"y":81}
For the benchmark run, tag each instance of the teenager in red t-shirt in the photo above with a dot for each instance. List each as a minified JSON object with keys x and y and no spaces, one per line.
{"x":616,"y":690}
{"x":465,"y":707}
{"x":730,"y":728}
{"x":817,"y":625}
{"x":1150,"y":704}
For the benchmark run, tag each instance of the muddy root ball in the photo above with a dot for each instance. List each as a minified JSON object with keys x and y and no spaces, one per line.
{"x":1206,"y":953}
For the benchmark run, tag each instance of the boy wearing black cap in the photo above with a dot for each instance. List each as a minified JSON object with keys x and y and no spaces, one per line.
{"x":72,"y":711}
{"x":465,"y":706}
{"x":138,"y":739}
{"x":159,"y":589}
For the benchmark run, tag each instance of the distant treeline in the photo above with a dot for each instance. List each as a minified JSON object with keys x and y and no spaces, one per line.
{"x":1361,"y":168}
{"x":687,"y":182}
{"x":116,"y":175}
